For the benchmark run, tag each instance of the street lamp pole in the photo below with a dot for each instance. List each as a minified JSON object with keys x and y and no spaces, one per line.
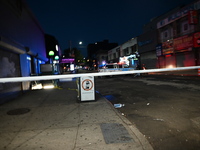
{"x":70,"y":46}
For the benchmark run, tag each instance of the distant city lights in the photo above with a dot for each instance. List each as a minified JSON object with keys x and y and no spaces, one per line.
{"x":103,"y":62}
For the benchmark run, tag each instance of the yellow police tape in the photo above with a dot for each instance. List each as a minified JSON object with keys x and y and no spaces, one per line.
{"x":73,"y":89}
{"x":60,"y":88}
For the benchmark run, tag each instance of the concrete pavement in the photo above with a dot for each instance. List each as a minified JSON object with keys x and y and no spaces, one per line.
{"x":192,"y":72}
{"x":52,"y":119}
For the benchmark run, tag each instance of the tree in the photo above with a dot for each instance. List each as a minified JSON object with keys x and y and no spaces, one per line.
{"x":73,"y":53}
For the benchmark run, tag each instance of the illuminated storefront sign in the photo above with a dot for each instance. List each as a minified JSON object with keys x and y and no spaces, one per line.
{"x":183,"y":43}
{"x":67,"y":60}
{"x":192,"y":9}
{"x":159,"y":50}
{"x":142,"y":43}
{"x":167,"y":47}
{"x":179,"y":14}
{"x":124,"y":60}
{"x":193,"y":17}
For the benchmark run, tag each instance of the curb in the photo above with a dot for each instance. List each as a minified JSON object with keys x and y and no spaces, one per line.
{"x":140,"y":137}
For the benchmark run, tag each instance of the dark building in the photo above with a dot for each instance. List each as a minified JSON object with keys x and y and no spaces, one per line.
{"x":104,"y":46}
{"x":171,"y":40}
{"x":22,"y":46}
{"x":178,"y":35}
{"x":148,"y":41}
{"x":52,"y":45}
{"x":99,"y":50}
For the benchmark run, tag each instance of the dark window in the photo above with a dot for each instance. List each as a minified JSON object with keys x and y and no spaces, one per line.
{"x":185,"y":27}
{"x":114,"y":55}
{"x":166,"y":34}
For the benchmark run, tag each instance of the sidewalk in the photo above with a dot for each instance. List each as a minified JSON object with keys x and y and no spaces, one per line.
{"x":54,"y":120}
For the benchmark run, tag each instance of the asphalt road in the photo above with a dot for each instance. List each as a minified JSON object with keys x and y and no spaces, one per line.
{"x":166,"y":109}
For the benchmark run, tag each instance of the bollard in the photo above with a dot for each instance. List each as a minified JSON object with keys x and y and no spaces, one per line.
{"x":86,"y":89}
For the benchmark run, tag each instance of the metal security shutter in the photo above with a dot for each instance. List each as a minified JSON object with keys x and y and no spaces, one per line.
{"x":149,"y":59}
{"x":185,"y":59}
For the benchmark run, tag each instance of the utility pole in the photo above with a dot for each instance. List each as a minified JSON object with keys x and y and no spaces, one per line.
{"x":70,"y":47}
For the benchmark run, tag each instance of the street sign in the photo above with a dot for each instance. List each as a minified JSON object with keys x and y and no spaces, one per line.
{"x":86,"y":87}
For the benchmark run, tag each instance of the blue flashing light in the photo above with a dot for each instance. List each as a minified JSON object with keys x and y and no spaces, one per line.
{"x":103,"y":62}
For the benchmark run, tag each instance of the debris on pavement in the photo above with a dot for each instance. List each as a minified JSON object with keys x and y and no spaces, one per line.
{"x":158,"y":119}
{"x":119,"y":105}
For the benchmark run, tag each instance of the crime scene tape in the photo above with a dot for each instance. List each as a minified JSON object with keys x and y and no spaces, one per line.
{"x":52,"y":77}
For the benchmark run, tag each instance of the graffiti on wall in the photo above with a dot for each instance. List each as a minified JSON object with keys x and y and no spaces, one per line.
{"x":7,"y":68}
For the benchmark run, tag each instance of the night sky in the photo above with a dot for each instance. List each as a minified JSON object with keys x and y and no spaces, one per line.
{"x":93,"y":21}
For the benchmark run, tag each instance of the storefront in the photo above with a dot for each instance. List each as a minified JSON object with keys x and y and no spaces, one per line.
{"x":183,"y":49}
{"x":180,"y":52}
{"x":165,"y":54}
{"x":131,"y":61}
{"x":196,"y":42}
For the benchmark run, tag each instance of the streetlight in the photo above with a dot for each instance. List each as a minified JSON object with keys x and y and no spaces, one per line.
{"x":56,"y":57}
{"x":51,"y":54}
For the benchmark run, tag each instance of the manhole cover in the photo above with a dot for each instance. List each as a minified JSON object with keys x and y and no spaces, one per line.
{"x":115,"y":133}
{"x":19,"y":111}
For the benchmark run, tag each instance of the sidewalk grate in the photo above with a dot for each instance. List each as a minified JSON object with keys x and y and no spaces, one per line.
{"x":115,"y":133}
{"x":19,"y":111}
